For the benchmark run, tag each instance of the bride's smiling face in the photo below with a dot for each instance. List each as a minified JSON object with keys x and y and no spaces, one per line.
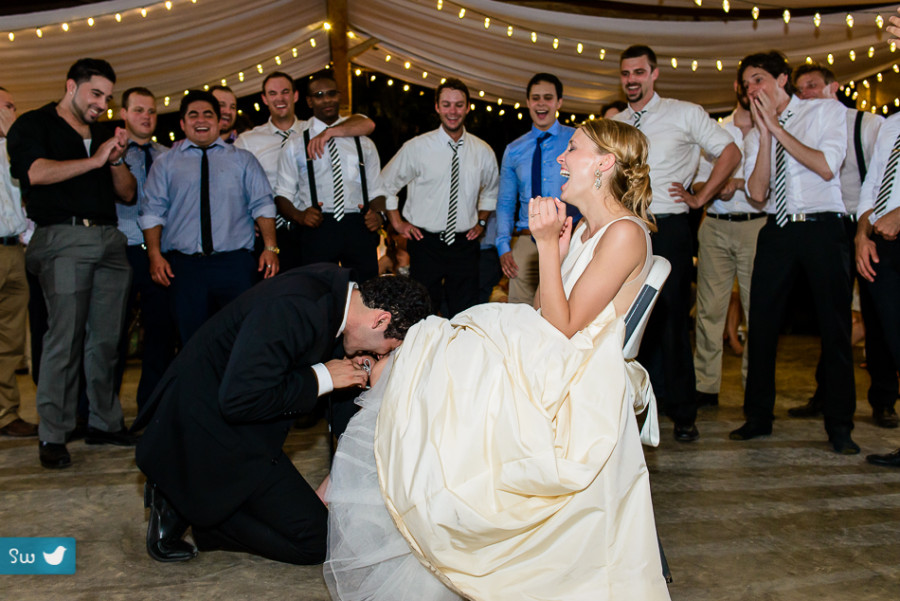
{"x":578,"y":164}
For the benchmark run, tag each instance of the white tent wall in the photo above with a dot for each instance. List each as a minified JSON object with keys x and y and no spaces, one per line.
{"x":196,"y":44}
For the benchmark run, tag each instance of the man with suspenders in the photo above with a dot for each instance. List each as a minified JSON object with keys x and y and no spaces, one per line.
{"x":329,"y":196}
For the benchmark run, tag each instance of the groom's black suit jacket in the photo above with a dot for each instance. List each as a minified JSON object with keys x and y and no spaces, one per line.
{"x":216,"y":423}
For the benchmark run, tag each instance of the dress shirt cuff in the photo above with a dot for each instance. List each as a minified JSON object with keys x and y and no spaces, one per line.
{"x":391,"y":202}
{"x":503,"y":245}
{"x":326,"y":384}
{"x":150,"y":221}
{"x":267,"y":210}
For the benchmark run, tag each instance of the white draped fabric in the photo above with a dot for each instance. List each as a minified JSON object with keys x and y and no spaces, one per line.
{"x":196,"y":44}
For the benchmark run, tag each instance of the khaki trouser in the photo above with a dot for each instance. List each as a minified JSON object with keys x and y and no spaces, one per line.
{"x":13,"y":308}
{"x":727,"y":249}
{"x":524,"y":285}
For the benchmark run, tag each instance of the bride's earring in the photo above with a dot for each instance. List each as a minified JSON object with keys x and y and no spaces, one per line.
{"x":598,"y":179}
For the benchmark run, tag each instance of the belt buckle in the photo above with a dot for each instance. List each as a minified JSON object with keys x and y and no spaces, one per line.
{"x":797,"y":217}
{"x":87,"y":222}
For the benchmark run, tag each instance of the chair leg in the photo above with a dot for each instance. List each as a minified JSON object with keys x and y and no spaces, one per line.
{"x":667,"y":574}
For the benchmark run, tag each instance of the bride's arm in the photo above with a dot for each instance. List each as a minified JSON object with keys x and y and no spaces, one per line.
{"x":619,"y":255}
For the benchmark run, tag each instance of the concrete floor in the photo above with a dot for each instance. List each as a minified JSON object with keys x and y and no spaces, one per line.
{"x":780,"y":518}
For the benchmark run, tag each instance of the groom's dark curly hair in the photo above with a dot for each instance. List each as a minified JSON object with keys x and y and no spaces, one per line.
{"x":405,"y":299}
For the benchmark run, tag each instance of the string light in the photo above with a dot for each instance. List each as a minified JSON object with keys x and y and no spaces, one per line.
{"x":499,"y":101}
{"x":278,"y":60}
{"x":817,"y":19}
{"x":808,"y":60}
{"x":358,"y":72}
{"x":312,"y":42}
{"x":896,"y":68}
{"x":865,"y":83}
{"x":830,"y":59}
{"x":533,"y":37}
{"x":168,"y":4}
{"x":602,"y":53}
{"x":871,"y":52}
{"x":879,"y":21}
{"x":118,"y":17}
{"x":519,"y":116}
{"x":166,"y":101}
{"x":726,"y":6}
{"x":224,"y":82}
{"x":579,"y":48}
{"x":90,"y":21}
{"x":893,"y":46}
{"x":407,"y":65}
{"x":390,"y":82}
{"x":65,"y":27}
{"x":555,"y":43}
{"x":786,"y":15}
{"x":487,"y":22}
{"x":481,"y":93}
{"x":755,"y":13}
{"x":326,"y":26}
{"x":143,"y":12}
{"x":206,"y":87}
{"x":387,"y":58}
{"x":372,"y":78}
{"x":674,"y":63}
{"x":440,"y":4}
{"x":509,"y":31}
{"x":424,"y":74}
{"x":12,"y":36}
{"x":489,"y":108}
{"x":171,"y":136}
{"x":698,"y":2}
{"x":462,"y":13}
{"x":259,"y":68}
{"x":256,"y":106}
{"x":896,"y":101}
{"x":39,"y":33}
{"x":517,"y":105}
{"x":849,"y":20}
{"x":694,"y":65}
{"x":719,"y":65}
{"x":241,"y":76}
{"x":406,"y":87}
{"x":879,"y":77}
{"x":852,"y":55}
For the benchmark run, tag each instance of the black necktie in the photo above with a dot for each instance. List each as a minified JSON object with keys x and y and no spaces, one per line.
{"x":205,"y":218}
{"x":148,"y":158}
{"x":536,"y":166}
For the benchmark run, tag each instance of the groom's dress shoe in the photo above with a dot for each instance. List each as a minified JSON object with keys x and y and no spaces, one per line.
{"x":165,"y":529}
{"x":120,"y":438}
{"x":889,"y":460}
{"x":813,"y":408}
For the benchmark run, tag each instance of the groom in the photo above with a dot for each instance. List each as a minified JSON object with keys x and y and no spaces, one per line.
{"x":216,"y":424}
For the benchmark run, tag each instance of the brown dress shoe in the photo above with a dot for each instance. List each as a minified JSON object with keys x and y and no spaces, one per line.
{"x":19,"y":428}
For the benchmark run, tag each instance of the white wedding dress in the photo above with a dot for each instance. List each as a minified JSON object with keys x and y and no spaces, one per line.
{"x":499,"y":459}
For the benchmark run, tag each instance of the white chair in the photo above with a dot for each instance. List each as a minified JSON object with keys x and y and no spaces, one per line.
{"x":635,"y":323}
{"x":639,"y":311}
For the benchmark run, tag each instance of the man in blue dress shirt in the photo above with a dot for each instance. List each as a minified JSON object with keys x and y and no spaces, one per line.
{"x":198,"y":209}
{"x":529,"y":169}
{"x":139,"y":114}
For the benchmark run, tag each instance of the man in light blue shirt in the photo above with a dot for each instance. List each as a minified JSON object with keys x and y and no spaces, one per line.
{"x":139,"y":114}
{"x":529,"y":169}
{"x":198,"y":211}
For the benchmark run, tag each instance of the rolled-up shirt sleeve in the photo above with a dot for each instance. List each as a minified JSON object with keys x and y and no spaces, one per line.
{"x":154,"y":202}
{"x":490,"y":182}
{"x":260,"y":201}
{"x":834,"y":135}
{"x":287,"y":182}
{"x":398,"y":173}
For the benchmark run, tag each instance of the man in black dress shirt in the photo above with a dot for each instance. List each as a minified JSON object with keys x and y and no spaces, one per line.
{"x":72,"y":171}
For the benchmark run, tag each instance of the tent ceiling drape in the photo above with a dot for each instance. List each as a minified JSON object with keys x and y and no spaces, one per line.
{"x":202,"y":42}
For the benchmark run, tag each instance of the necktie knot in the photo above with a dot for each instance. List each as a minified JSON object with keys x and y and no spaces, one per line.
{"x":637,"y":116}
{"x":784,"y":118}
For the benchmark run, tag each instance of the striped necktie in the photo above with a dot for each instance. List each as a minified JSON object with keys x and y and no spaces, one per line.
{"x":781,"y":217}
{"x":450,"y":231}
{"x":637,"y":116}
{"x":887,"y":181}
{"x":338,"y":180}
{"x":285,"y":135}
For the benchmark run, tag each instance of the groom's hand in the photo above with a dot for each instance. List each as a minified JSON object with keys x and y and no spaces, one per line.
{"x":346,"y":373}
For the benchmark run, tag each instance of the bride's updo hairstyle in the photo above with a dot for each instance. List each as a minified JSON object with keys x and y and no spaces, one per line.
{"x":630,"y":177}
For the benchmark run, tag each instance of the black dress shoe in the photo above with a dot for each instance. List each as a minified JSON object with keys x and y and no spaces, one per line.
{"x":120,"y":438}
{"x":165,"y":529}
{"x":842,"y":443}
{"x":54,"y":455}
{"x":885,"y":417}
{"x":80,"y":430}
{"x":889,"y":460}
{"x":751,"y":430}
{"x":813,"y":408}
{"x":707,"y":399}
{"x":686,"y":432}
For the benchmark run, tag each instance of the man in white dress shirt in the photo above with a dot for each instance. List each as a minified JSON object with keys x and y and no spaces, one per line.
{"x":452,"y":179}
{"x":816,"y":81}
{"x":677,"y":132}
{"x":329,"y":196}
{"x":13,"y":285}
{"x":265,"y":142}
{"x":793,"y":157}
{"x":727,"y":240}
{"x":877,"y":247}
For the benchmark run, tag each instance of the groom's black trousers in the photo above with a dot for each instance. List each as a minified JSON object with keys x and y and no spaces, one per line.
{"x":282,"y":520}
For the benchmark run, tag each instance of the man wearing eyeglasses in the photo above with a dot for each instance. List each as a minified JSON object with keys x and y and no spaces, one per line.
{"x":328,"y":194}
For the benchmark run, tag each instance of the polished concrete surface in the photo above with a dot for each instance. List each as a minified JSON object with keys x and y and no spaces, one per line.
{"x":779,"y":518}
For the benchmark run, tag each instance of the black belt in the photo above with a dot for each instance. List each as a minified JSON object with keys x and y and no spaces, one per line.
{"x":736,"y":216}
{"x":9,"y":241}
{"x":801,"y":217}
{"x":851,"y":217}
{"x":85,"y":222}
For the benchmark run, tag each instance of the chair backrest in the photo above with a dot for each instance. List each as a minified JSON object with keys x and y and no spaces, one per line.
{"x":639,"y":311}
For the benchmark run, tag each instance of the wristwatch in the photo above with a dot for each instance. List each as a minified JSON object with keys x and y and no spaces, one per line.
{"x":118,"y":162}
{"x":273,"y":249}
{"x":482,"y":223}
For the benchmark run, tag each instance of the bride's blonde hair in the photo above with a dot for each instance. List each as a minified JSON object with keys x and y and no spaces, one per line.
{"x":630,"y":176}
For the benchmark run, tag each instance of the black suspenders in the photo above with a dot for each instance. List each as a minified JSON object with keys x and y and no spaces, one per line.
{"x":313,"y":194}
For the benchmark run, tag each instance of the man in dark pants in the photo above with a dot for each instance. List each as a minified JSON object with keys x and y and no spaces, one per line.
{"x":72,"y":171}
{"x":677,"y":131}
{"x":328,"y":196}
{"x":793,"y":156}
{"x":215,"y":427}
{"x":139,"y":114}
{"x":205,"y":255}
{"x":452,"y":179}
{"x":878,"y":249}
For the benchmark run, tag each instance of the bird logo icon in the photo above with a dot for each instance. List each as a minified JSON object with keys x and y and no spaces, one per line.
{"x":55,"y":558}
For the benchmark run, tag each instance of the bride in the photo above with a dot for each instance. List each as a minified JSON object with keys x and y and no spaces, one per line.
{"x":498,"y":456}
